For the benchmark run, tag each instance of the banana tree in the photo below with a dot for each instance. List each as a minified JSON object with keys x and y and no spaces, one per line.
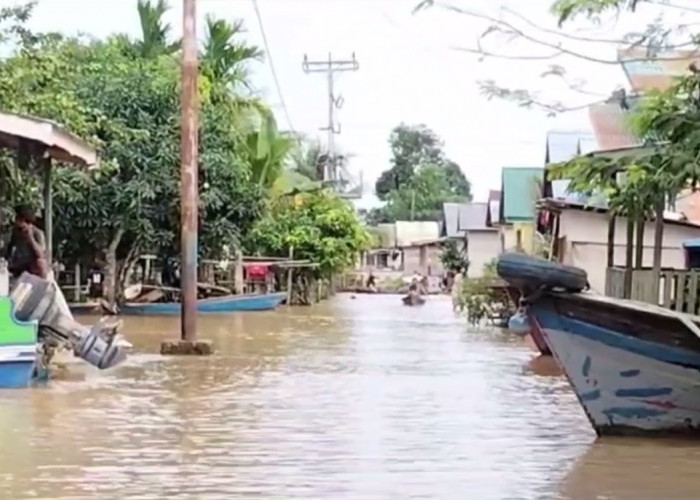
{"x":267,"y":151}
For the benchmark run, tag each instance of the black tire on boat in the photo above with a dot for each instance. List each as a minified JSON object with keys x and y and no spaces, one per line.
{"x":530,"y":272}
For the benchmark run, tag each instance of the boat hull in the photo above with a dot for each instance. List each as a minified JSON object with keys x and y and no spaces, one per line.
{"x":17,"y":366}
{"x":262,"y":302}
{"x":626,"y":385}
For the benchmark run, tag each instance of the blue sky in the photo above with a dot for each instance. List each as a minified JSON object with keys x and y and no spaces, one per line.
{"x":408,"y":73}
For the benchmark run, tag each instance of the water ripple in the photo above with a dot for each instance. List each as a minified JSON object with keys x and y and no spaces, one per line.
{"x":356,"y":399}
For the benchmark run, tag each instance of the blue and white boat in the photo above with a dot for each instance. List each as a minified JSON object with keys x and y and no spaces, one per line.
{"x":634,"y":367}
{"x":35,"y":324}
{"x":17,"y":365}
{"x":227,"y":303}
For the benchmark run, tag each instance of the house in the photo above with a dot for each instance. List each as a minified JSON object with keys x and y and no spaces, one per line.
{"x":421,"y":246}
{"x":384,"y":255}
{"x":472,"y":223}
{"x":521,"y":187}
{"x":483,"y":239}
{"x":581,"y":236}
{"x":406,"y":247}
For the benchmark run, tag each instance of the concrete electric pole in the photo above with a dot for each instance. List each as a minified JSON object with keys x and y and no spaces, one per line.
{"x":330,"y":67}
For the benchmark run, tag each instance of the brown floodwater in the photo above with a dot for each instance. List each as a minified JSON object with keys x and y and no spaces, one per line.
{"x":356,"y":399}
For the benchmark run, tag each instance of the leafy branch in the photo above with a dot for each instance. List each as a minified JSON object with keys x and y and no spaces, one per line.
{"x":536,"y":42}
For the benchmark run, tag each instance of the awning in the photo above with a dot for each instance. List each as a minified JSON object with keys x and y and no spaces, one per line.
{"x":43,"y":136}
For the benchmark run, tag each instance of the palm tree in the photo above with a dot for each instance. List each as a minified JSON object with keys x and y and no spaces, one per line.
{"x":154,"y":32}
{"x":223,"y":57}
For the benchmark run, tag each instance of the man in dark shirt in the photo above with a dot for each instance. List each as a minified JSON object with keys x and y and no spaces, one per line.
{"x":26,"y":251}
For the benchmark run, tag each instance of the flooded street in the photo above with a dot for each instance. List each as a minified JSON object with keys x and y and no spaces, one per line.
{"x":352,"y":399}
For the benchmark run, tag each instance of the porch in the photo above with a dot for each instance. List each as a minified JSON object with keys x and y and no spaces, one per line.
{"x":676,"y":289}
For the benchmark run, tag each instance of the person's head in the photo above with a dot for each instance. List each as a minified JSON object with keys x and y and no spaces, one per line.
{"x":24,"y":214}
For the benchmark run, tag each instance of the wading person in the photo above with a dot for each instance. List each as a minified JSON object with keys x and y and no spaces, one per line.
{"x":26,"y":251}
{"x":457,"y":285}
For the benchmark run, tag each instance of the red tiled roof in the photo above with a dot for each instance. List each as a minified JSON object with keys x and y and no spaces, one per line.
{"x":609,"y":122}
{"x":646,"y":72}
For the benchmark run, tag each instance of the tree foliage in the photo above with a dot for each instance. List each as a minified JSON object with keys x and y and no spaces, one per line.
{"x":511,"y":34}
{"x":122,"y":95}
{"x":453,"y":258}
{"x":567,"y":10}
{"x":421,"y":178}
{"x":318,"y":226}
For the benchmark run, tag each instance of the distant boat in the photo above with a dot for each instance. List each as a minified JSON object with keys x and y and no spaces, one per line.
{"x":413,"y":300}
{"x":227,"y":303}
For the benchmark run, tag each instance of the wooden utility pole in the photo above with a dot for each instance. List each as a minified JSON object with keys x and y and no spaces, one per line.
{"x":188,"y":343}
{"x":188,"y":173}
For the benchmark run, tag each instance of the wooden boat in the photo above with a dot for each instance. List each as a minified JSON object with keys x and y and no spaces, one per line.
{"x":227,"y":303}
{"x":413,"y":300}
{"x":634,"y":367}
{"x":37,"y":325}
{"x":97,"y":307}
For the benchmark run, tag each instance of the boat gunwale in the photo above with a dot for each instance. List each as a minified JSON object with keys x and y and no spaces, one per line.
{"x":628,"y":303}
{"x":212,"y":300}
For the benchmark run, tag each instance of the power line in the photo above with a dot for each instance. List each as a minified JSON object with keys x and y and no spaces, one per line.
{"x":272,"y":67}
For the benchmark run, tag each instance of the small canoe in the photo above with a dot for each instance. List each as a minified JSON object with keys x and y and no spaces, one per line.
{"x":228,"y":303}
{"x":413,"y":300}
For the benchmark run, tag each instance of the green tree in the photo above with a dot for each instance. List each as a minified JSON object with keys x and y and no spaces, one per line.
{"x":225,"y":56}
{"x":155,"y":33}
{"x":420,"y":180}
{"x":453,"y":258}
{"x":411,"y":148}
{"x":306,"y":159}
{"x":319,"y":226}
{"x":127,"y":105}
{"x":266,"y":151}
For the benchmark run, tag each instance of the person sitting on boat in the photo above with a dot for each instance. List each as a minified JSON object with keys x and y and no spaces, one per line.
{"x":414,"y":288}
{"x":424,"y":284}
{"x":26,"y":251}
{"x":170,"y":274}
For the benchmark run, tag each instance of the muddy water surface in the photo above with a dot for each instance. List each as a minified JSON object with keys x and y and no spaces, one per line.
{"x":353,"y":399}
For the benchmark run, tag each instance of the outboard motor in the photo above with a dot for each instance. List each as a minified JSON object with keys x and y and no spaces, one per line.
{"x":38,"y":299}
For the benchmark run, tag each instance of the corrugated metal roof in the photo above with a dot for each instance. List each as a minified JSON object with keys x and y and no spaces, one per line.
{"x":408,"y":232}
{"x":494,"y":206}
{"x":563,"y":145}
{"x":472,"y":216}
{"x":450,"y":212}
{"x":646,"y":71}
{"x":588,"y":145}
{"x":560,"y":192}
{"x":520,"y":187}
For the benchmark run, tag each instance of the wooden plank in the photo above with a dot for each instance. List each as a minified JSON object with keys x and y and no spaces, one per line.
{"x":614,"y":282}
{"x":692,"y":292}
{"x":680,"y":290}
{"x":668,"y":282}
